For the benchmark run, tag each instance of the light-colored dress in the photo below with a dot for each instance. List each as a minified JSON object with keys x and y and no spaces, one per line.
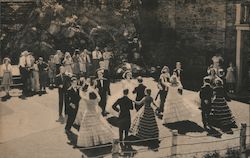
{"x":230,"y":78}
{"x":176,"y":108}
{"x":94,"y":129}
{"x":7,"y":74}
{"x":68,"y":65}
{"x":35,"y":79}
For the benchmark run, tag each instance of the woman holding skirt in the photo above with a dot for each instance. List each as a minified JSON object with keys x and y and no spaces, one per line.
{"x":176,"y":109}
{"x":94,"y":129}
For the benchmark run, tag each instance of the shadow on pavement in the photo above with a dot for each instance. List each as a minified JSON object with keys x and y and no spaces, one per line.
{"x":184,"y":127}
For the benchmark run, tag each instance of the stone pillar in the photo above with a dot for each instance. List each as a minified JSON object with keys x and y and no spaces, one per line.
{"x":239,"y":59}
{"x":238,"y":14}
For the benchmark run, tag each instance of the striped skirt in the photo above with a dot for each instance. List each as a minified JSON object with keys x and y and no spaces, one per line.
{"x":221,"y":114}
{"x":144,"y":125}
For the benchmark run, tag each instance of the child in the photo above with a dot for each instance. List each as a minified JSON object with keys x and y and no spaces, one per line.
{"x":230,"y":78}
{"x":125,"y":105}
{"x":7,"y":77}
{"x":140,"y":92}
{"x":206,"y":93}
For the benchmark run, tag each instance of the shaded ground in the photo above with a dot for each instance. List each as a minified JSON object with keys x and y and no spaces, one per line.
{"x":28,"y":129}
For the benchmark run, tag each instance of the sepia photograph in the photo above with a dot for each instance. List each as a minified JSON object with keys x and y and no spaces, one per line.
{"x":124,"y":78}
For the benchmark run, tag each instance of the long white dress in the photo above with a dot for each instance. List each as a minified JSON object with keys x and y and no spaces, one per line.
{"x":176,"y":108}
{"x":94,"y":129}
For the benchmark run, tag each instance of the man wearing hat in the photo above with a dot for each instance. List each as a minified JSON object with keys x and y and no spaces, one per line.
{"x":206,"y":93}
{"x":24,"y":73}
{"x":74,"y":99}
{"x":103,"y":87}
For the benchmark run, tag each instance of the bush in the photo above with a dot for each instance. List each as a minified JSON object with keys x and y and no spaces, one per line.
{"x":214,"y":154}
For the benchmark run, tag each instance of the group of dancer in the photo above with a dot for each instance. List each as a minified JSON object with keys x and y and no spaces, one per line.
{"x":214,"y":98}
{"x":85,"y":99}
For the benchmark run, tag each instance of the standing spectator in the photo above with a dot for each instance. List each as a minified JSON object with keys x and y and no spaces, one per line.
{"x":84,"y":61}
{"x":76,"y":60}
{"x":230,"y":78}
{"x":30,"y":60}
{"x":96,"y":57}
{"x":24,"y":73}
{"x":106,"y":58}
{"x":35,"y":80}
{"x":68,"y":62}
{"x":57,"y":60}
{"x":43,"y":67}
{"x":52,"y":71}
{"x":125,"y":105}
{"x":7,"y":77}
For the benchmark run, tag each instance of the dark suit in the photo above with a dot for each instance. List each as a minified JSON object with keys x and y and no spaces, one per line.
{"x":64,"y":80}
{"x":125,"y":105}
{"x":140,"y":93}
{"x":206,"y":93}
{"x":103,"y":90}
{"x":74,"y":99}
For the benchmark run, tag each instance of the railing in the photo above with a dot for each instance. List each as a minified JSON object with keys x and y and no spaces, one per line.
{"x":116,"y":153}
{"x":243,"y":13}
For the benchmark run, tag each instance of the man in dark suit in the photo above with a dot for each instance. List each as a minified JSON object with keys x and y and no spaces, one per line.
{"x":125,"y":105}
{"x":140,"y":92}
{"x":206,"y":93}
{"x":74,"y":99}
{"x":63,"y":83}
{"x":103,"y":86}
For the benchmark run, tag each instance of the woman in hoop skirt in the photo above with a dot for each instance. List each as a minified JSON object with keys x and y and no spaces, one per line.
{"x":176,"y":108}
{"x":221,"y":113}
{"x":144,"y":125}
{"x":94,"y":129}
